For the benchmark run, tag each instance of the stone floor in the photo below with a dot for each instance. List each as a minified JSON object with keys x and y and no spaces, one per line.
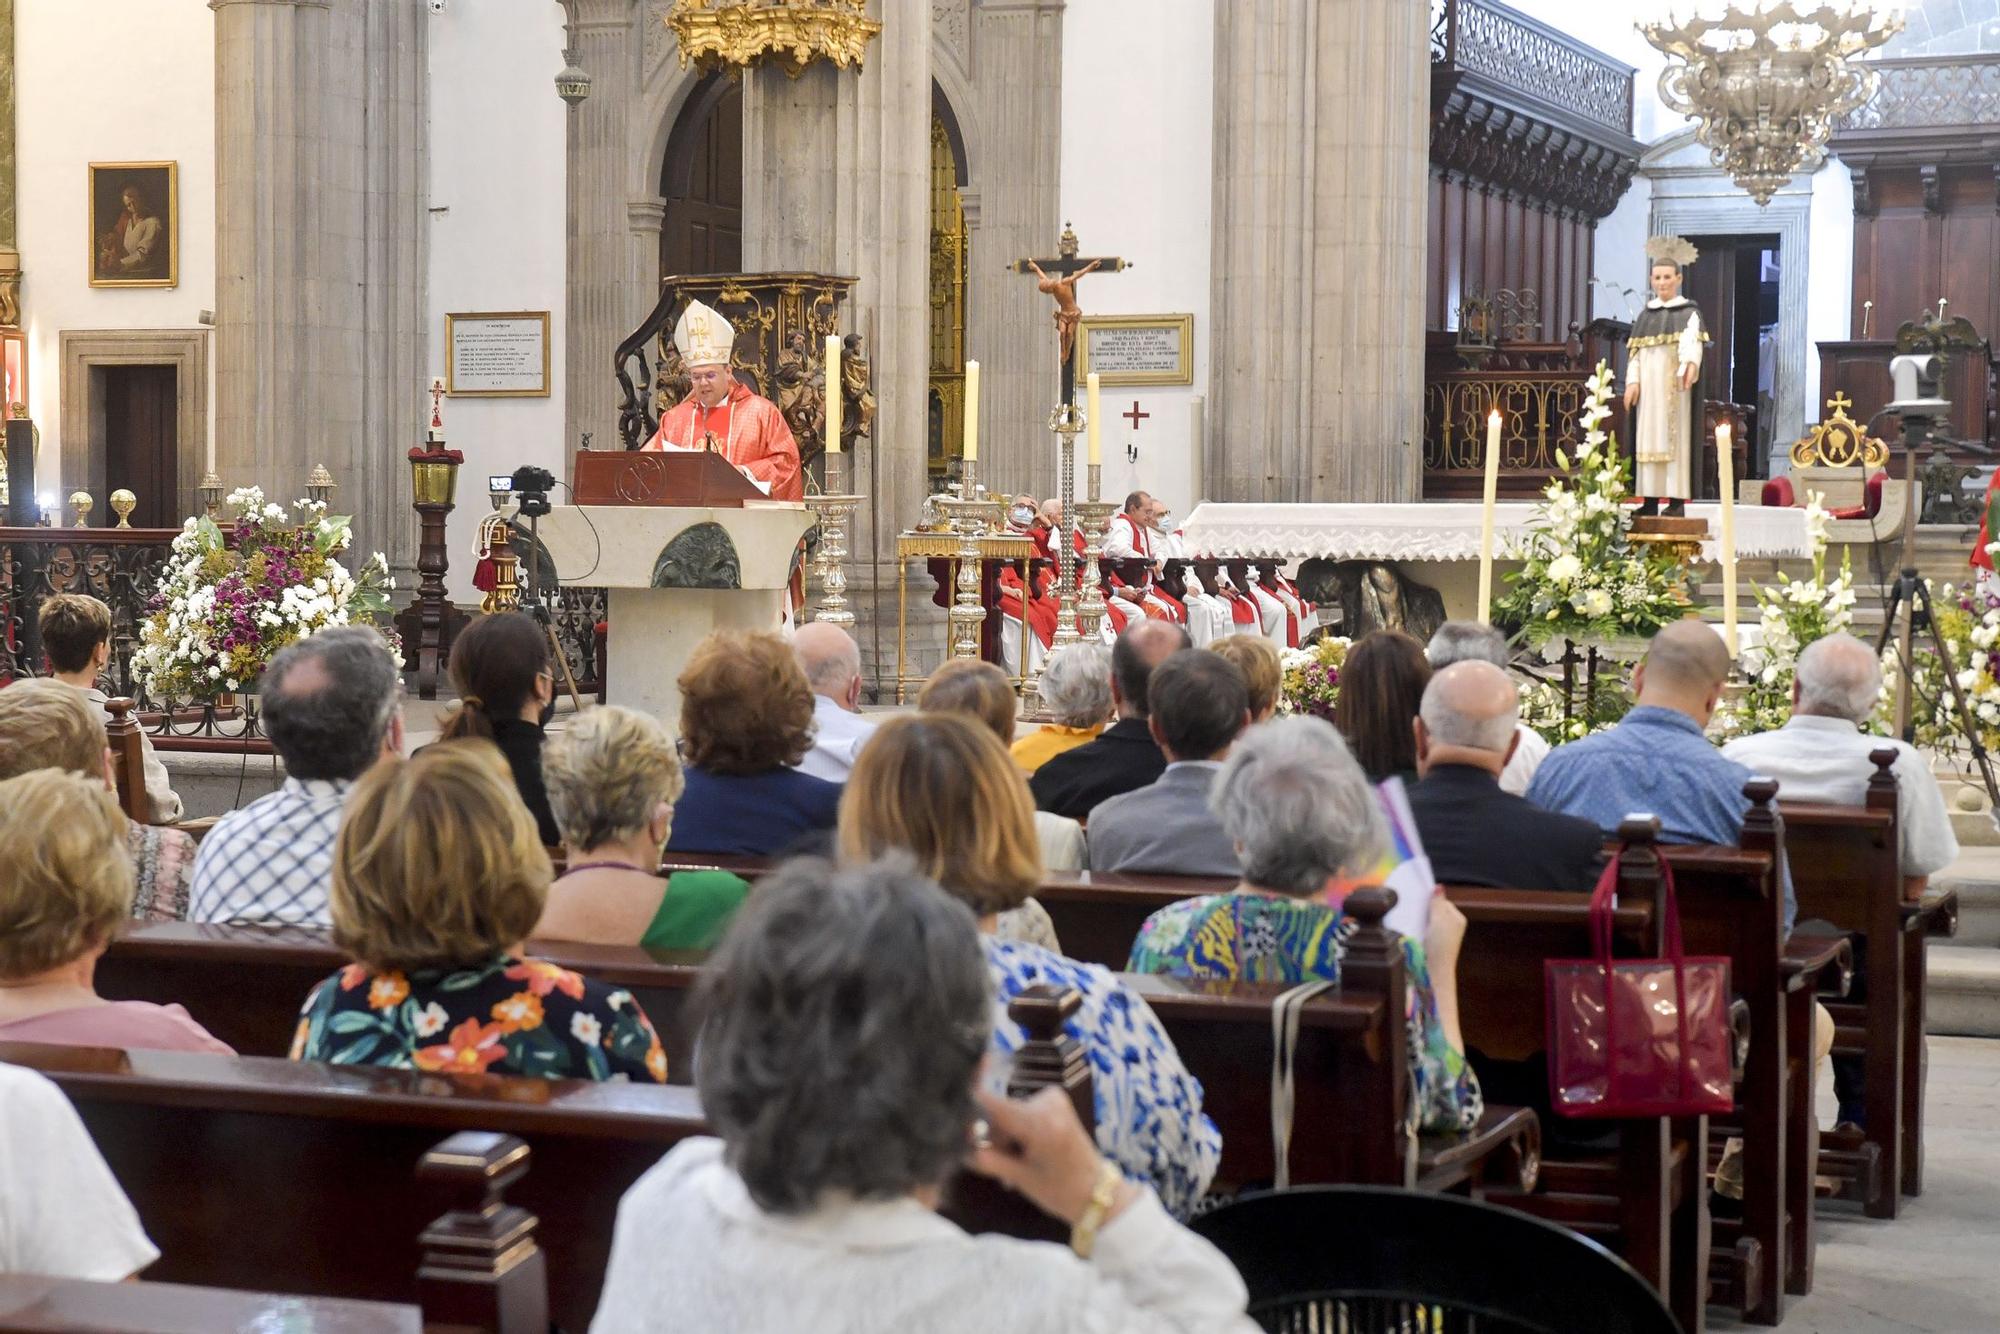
{"x":1936,"y":1268}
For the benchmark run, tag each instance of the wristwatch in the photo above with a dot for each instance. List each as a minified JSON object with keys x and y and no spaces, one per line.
{"x":1083,"y":1236}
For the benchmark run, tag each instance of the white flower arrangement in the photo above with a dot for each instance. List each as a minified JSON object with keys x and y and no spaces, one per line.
{"x":228,"y":601}
{"x":1790,"y":616}
{"x":1581,"y":576}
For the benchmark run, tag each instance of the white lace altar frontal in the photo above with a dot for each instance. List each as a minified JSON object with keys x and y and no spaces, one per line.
{"x":1437,"y":531}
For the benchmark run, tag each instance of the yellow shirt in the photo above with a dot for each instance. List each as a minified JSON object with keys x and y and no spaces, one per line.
{"x":1043,"y":744}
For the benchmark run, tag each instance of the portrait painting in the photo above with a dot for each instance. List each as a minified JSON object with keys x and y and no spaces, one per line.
{"x":134,"y":224}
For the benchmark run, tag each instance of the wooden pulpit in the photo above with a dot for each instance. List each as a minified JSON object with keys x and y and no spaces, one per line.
{"x":681,"y":550}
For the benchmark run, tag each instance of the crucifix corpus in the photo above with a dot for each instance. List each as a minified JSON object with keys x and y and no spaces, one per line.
{"x":1058,"y":278}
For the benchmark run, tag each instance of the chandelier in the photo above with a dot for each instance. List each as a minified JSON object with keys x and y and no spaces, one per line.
{"x":736,"y":34}
{"x":1767,"y":79}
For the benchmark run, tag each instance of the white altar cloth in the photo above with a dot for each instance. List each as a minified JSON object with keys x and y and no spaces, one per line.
{"x":1435,"y":531}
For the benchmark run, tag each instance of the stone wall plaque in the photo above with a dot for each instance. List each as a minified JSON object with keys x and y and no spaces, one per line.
{"x":497,"y":354}
{"x":1138,"y":349}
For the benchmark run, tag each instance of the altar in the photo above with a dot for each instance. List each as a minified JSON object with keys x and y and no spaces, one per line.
{"x":1437,"y":542}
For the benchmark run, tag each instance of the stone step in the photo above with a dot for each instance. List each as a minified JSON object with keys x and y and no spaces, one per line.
{"x":1976,"y":877}
{"x":1964,"y":990}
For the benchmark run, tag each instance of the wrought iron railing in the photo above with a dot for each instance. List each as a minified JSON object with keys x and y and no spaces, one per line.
{"x":120,"y":566}
{"x":1930,"y":92}
{"x":1487,"y":38}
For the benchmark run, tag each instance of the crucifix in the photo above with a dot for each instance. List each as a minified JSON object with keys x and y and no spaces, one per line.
{"x":1135,"y":416}
{"x":437,"y":410}
{"x":1058,"y":278}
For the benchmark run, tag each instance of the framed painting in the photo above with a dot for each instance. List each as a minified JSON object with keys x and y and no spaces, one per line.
{"x":135,"y":224}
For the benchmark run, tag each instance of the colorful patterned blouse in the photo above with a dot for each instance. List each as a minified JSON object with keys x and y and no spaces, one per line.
{"x":1254,"y":938}
{"x":507,"y":1017}
{"x":162,"y":868}
{"x":1149,"y":1117}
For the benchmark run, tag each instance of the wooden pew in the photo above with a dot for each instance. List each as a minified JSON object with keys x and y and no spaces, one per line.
{"x":1846,"y":864}
{"x":66,"y":1306}
{"x":256,"y":1173}
{"x":128,"y":759}
{"x":246,"y":984}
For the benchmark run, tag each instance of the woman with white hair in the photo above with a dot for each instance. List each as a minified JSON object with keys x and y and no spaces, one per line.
{"x":1308,"y":831}
{"x":1076,"y":693}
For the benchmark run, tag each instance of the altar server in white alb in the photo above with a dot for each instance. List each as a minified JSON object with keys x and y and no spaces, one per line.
{"x":1663,"y":393}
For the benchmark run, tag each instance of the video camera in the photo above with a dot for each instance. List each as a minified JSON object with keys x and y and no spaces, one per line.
{"x":532,"y":486}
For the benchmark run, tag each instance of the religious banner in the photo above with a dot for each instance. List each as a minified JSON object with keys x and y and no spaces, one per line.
{"x":1139,"y":349}
{"x":497,"y":354}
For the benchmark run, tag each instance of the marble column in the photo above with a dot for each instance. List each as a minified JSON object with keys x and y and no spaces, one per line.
{"x":1016,"y":59}
{"x":321,"y":111}
{"x":605,"y":301}
{"x":836,"y":173}
{"x":1317,"y":332}
{"x":10,"y":258}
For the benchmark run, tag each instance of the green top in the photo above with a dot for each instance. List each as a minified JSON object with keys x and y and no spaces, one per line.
{"x":695,"y":910}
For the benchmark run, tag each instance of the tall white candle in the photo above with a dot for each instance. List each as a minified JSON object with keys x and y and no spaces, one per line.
{"x":1489,"y":498}
{"x":1090,"y":409}
{"x":971,"y":412}
{"x":833,"y":393}
{"x":1725,"y":471}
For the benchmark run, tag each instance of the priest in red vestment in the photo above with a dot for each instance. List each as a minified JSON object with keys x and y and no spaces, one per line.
{"x":721,"y":413}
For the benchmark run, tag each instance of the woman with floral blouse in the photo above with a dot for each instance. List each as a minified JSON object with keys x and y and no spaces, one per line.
{"x":1305,"y":822}
{"x":912,"y":789}
{"x":438,"y":874}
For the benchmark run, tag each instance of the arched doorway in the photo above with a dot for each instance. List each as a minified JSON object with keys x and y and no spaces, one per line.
{"x":951,"y":245}
{"x":701,"y":181}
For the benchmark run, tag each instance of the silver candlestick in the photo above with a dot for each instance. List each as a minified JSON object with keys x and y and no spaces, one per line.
{"x":834,"y":506}
{"x":969,"y":519}
{"x":1066,"y":421}
{"x":1095,"y":516}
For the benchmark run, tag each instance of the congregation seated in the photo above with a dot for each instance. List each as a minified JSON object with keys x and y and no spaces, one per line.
{"x":613,"y":777}
{"x":1076,"y":695}
{"x":76,"y":636}
{"x":1198,"y":705}
{"x":1473,"y":641}
{"x":1473,"y":830}
{"x":65,"y":888}
{"x":1125,"y":756}
{"x":45,"y":724}
{"x":746,"y":722}
{"x":62,"y":1213}
{"x":982,"y":692}
{"x":818,"y":1204}
{"x":1657,"y":759}
{"x":1821,"y":755}
{"x":1263,"y":670}
{"x":506,"y":693}
{"x":1308,"y":827}
{"x":332,"y":707}
{"x":1381,"y":688}
{"x":832,"y":663}
{"x":916,"y":790}
{"x":438,"y":875}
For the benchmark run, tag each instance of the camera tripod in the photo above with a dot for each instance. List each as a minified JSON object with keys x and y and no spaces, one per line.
{"x":539,"y":609}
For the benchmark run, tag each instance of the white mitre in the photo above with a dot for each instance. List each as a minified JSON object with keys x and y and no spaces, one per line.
{"x":703,"y":336}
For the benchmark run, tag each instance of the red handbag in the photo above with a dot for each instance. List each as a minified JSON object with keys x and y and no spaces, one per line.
{"x":1638,"y":1037}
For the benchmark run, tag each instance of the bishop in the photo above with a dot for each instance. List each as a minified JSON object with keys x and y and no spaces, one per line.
{"x":725,"y":415}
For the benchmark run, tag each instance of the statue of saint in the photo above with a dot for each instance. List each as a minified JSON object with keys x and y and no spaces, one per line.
{"x":1663,"y":393}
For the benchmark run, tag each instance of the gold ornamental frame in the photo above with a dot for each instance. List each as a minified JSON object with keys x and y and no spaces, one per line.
{"x":1182,"y":327}
{"x":170,"y":220}
{"x":451,"y":320}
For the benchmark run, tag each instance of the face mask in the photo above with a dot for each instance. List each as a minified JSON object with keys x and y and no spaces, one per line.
{"x":1023,"y":517}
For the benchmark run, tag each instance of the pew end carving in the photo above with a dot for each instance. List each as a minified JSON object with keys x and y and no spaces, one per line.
{"x":128,"y":758}
{"x":481,"y":1268}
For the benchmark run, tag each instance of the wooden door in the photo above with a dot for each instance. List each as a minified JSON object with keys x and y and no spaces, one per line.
{"x":141,"y":452}
{"x":702,"y":181}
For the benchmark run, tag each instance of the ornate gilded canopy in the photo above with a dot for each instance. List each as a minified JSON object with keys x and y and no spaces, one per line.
{"x":1839,"y":442}
{"x":736,"y":34}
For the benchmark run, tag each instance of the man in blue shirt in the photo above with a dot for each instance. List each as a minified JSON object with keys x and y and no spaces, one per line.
{"x":1656,"y":760}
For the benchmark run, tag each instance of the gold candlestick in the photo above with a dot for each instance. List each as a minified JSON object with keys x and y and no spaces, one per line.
{"x":834,"y":507}
{"x":210,"y":492}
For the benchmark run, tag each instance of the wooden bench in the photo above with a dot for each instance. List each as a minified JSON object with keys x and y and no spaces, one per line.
{"x":1847,"y":867}
{"x":67,"y":1306}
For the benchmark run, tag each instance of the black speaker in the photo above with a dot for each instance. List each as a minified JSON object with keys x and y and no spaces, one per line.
{"x":21,"y":509}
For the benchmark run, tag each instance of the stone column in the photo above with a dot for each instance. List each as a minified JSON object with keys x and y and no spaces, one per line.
{"x":1016,"y":70}
{"x":321,"y":110}
{"x":836,"y":173}
{"x":10,"y":258}
{"x":1317,"y":331}
{"x":604,"y":302}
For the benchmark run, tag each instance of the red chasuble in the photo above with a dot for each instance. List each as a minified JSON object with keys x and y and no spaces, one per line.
{"x":749,"y":431}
